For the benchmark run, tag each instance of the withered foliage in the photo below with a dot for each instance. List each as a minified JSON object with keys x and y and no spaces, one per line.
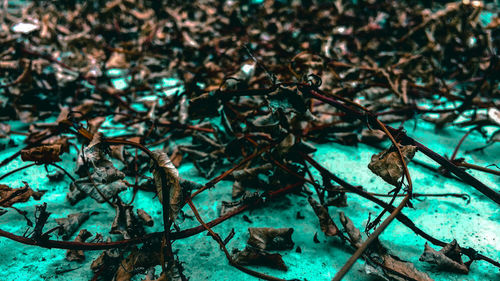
{"x":381,"y":263}
{"x":130,"y":90}
{"x":253,"y":256}
{"x":71,"y":223}
{"x":388,"y":165}
{"x":10,"y":196}
{"x":448,"y":258}
{"x":266,"y":238}
{"x":78,"y":255}
{"x":325,"y":221}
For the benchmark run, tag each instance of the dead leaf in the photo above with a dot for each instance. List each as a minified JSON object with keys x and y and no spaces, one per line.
{"x":142,"y":258}
{"x":171,"y":180}
{"x":448,"y":258}
{"x":391,"y":268}
{"x":117,"y":60}
{"x":71,"y":223}
{"x":267,"y":238}
{"x":335,"y":198}
{"x":4,"y":130}
{"x":325,"y":221}
{"x":379,"y":261}
{"x":352,"y":231}
{"x":387,"y":163}
{"x":145,"y":217}
{"x":248,"y":177}
{"x":125,"y":222}
{"x":78,"y":255}
{"x":44,"y":154}
{"x":253,"y":256}
{"x":108,"y":260}
{"x":372,"y":136}
{"x":10,"y":196}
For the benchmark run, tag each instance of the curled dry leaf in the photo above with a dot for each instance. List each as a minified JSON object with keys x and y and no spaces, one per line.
{"x":44,"y":154}
{"x":387,"y":163}
{"x":117,"y":60}
{"x":335,"y":197}
{"x":171,"y":181}
{"x":108,"y":260}
{"x":448,"y":258}
{"x":71,"y":223}
{"x":253,"y":256}
{"x":493,"y":115}
{"x":125,"y":222}
{"x":145,"y":217}
{"x":267,"y":238}
{"x":352,"y":231}
{"x":248,"y":177}
{"x":391,"y":268}
{"x":105,"y":180}
{"x":247,"y":197}
{"x":372,"y":136}
{"x":10,"y":196}
{"x":78,"y":255}
{"x":379,"y":262}
{"x":325,"y":221}
{"x":142,"y":258}
{"x":4,"y":130}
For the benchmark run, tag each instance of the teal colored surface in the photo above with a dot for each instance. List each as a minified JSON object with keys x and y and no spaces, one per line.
{"x":476,"y":225}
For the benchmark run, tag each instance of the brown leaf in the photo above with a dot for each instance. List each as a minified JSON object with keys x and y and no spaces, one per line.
{"x":267,"y":238}
{"x":117,"y":60}
{"x":10,"y":196}
{"x":253,"y":256}
{"x":372,"y":136}
{"x":248,"y":177}
{"x":78,"y":255}
{"x":108,"y":260}
{"x":448,"y":258}
{"x":247,"y":197}
{"x":105,"y":179}
{"x":58,"y":140}
{"x":125,"y":222}
{"x":335,"y":197}
{"x":351,"y":230}
{"x":176,"y":157}
{"x":325,"y":221}
{"x":42,"y":154}
{"x":145,"y":217}
{"x":393,"y":268}
{"x":71,"y":223}
{"x":138,"y":258}
{"x":379,"y":261}
{"x":117,"y":152}
{"x":171,"y":180}
{"x":387,"y":163}
{"x":4,"y":130}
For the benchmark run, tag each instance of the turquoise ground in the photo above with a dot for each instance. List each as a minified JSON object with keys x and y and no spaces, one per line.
{"x":476,"y":225}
